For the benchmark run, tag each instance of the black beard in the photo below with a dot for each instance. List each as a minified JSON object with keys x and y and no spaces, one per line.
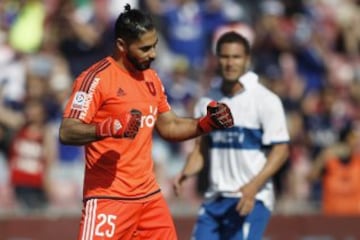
{"x":137,"y":65}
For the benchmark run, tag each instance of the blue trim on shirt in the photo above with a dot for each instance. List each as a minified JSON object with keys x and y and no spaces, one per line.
{"x":237,"y":138}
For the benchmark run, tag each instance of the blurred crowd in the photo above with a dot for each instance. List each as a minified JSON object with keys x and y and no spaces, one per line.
{"x":306,"y":51}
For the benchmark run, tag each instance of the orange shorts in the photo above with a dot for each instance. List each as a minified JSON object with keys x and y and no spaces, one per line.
{"x":105,"y":219}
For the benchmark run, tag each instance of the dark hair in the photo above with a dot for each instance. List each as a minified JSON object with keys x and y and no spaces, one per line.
{"x":132,"y":23}
{"x":232,"y":37}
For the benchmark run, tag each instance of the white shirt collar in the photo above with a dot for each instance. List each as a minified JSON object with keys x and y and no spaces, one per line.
{"x":249,"y":79}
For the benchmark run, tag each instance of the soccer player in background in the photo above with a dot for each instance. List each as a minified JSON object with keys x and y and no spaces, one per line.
{"x":114,"y":107}
{"x":240,"y":195}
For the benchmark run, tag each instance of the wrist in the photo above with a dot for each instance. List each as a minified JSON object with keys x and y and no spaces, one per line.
{"x":103,"y":129}
{"x":98,"y":132}
{"x":204,"y":124}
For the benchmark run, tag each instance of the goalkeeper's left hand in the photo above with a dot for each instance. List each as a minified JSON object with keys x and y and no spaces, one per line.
{"x":218,"y":117}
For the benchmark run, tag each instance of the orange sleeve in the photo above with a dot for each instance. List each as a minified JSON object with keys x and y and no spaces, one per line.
{"x":86,"y":96}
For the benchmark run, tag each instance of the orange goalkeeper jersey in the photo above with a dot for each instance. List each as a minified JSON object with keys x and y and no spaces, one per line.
{"x":118,"y":168}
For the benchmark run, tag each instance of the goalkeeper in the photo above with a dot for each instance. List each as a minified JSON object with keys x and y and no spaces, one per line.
{"x":240,"y":195}
{"x":114,"y":107}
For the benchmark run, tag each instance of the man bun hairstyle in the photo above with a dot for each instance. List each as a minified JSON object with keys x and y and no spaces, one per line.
{"x":232,"y":37}
{"x":132,"y":23}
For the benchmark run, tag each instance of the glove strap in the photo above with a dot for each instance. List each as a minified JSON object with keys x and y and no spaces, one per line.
{"x":206,"y":124}
{"x":104,"y":128}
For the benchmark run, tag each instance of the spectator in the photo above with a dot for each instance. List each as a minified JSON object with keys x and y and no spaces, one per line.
{"x":31,"y":155}
{"x":30,"y":23}
{"x":80,"y":38}
{"x":338,"y":167}
{"x":189,"y":28}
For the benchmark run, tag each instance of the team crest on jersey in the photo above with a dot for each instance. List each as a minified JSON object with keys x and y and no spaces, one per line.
{"x":151,"y":88}
{"x":79,"y":100}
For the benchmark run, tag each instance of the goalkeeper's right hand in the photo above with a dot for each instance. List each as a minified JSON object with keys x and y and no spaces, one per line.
{"x":218,"y":117}
{"x":126,"y":126}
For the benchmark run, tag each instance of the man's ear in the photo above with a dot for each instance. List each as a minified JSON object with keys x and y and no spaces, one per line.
{"x":121,"y":44}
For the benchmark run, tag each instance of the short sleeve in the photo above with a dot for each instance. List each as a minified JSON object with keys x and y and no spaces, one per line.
{"x":272,"y":117}
{"x":84,"y":100}
{"x":200,"y":107}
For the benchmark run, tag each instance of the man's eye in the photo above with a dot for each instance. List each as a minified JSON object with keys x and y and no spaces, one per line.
{"x":145,"y":49}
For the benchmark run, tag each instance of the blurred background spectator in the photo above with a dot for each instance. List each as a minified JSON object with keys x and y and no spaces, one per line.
{"x":337,"y":167}
{"x":31,"y":154}
{"x":306,"y":51}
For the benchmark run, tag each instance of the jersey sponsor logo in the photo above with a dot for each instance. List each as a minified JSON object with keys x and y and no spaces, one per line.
{"x":149,"y":120}
{"x":238,"y":138}
{"x":89,"y":97}
{"x":79,"y":100}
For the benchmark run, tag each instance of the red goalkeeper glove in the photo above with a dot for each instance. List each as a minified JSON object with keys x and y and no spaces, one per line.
{"x":127,"y":126}
{"x":218,"y":117}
